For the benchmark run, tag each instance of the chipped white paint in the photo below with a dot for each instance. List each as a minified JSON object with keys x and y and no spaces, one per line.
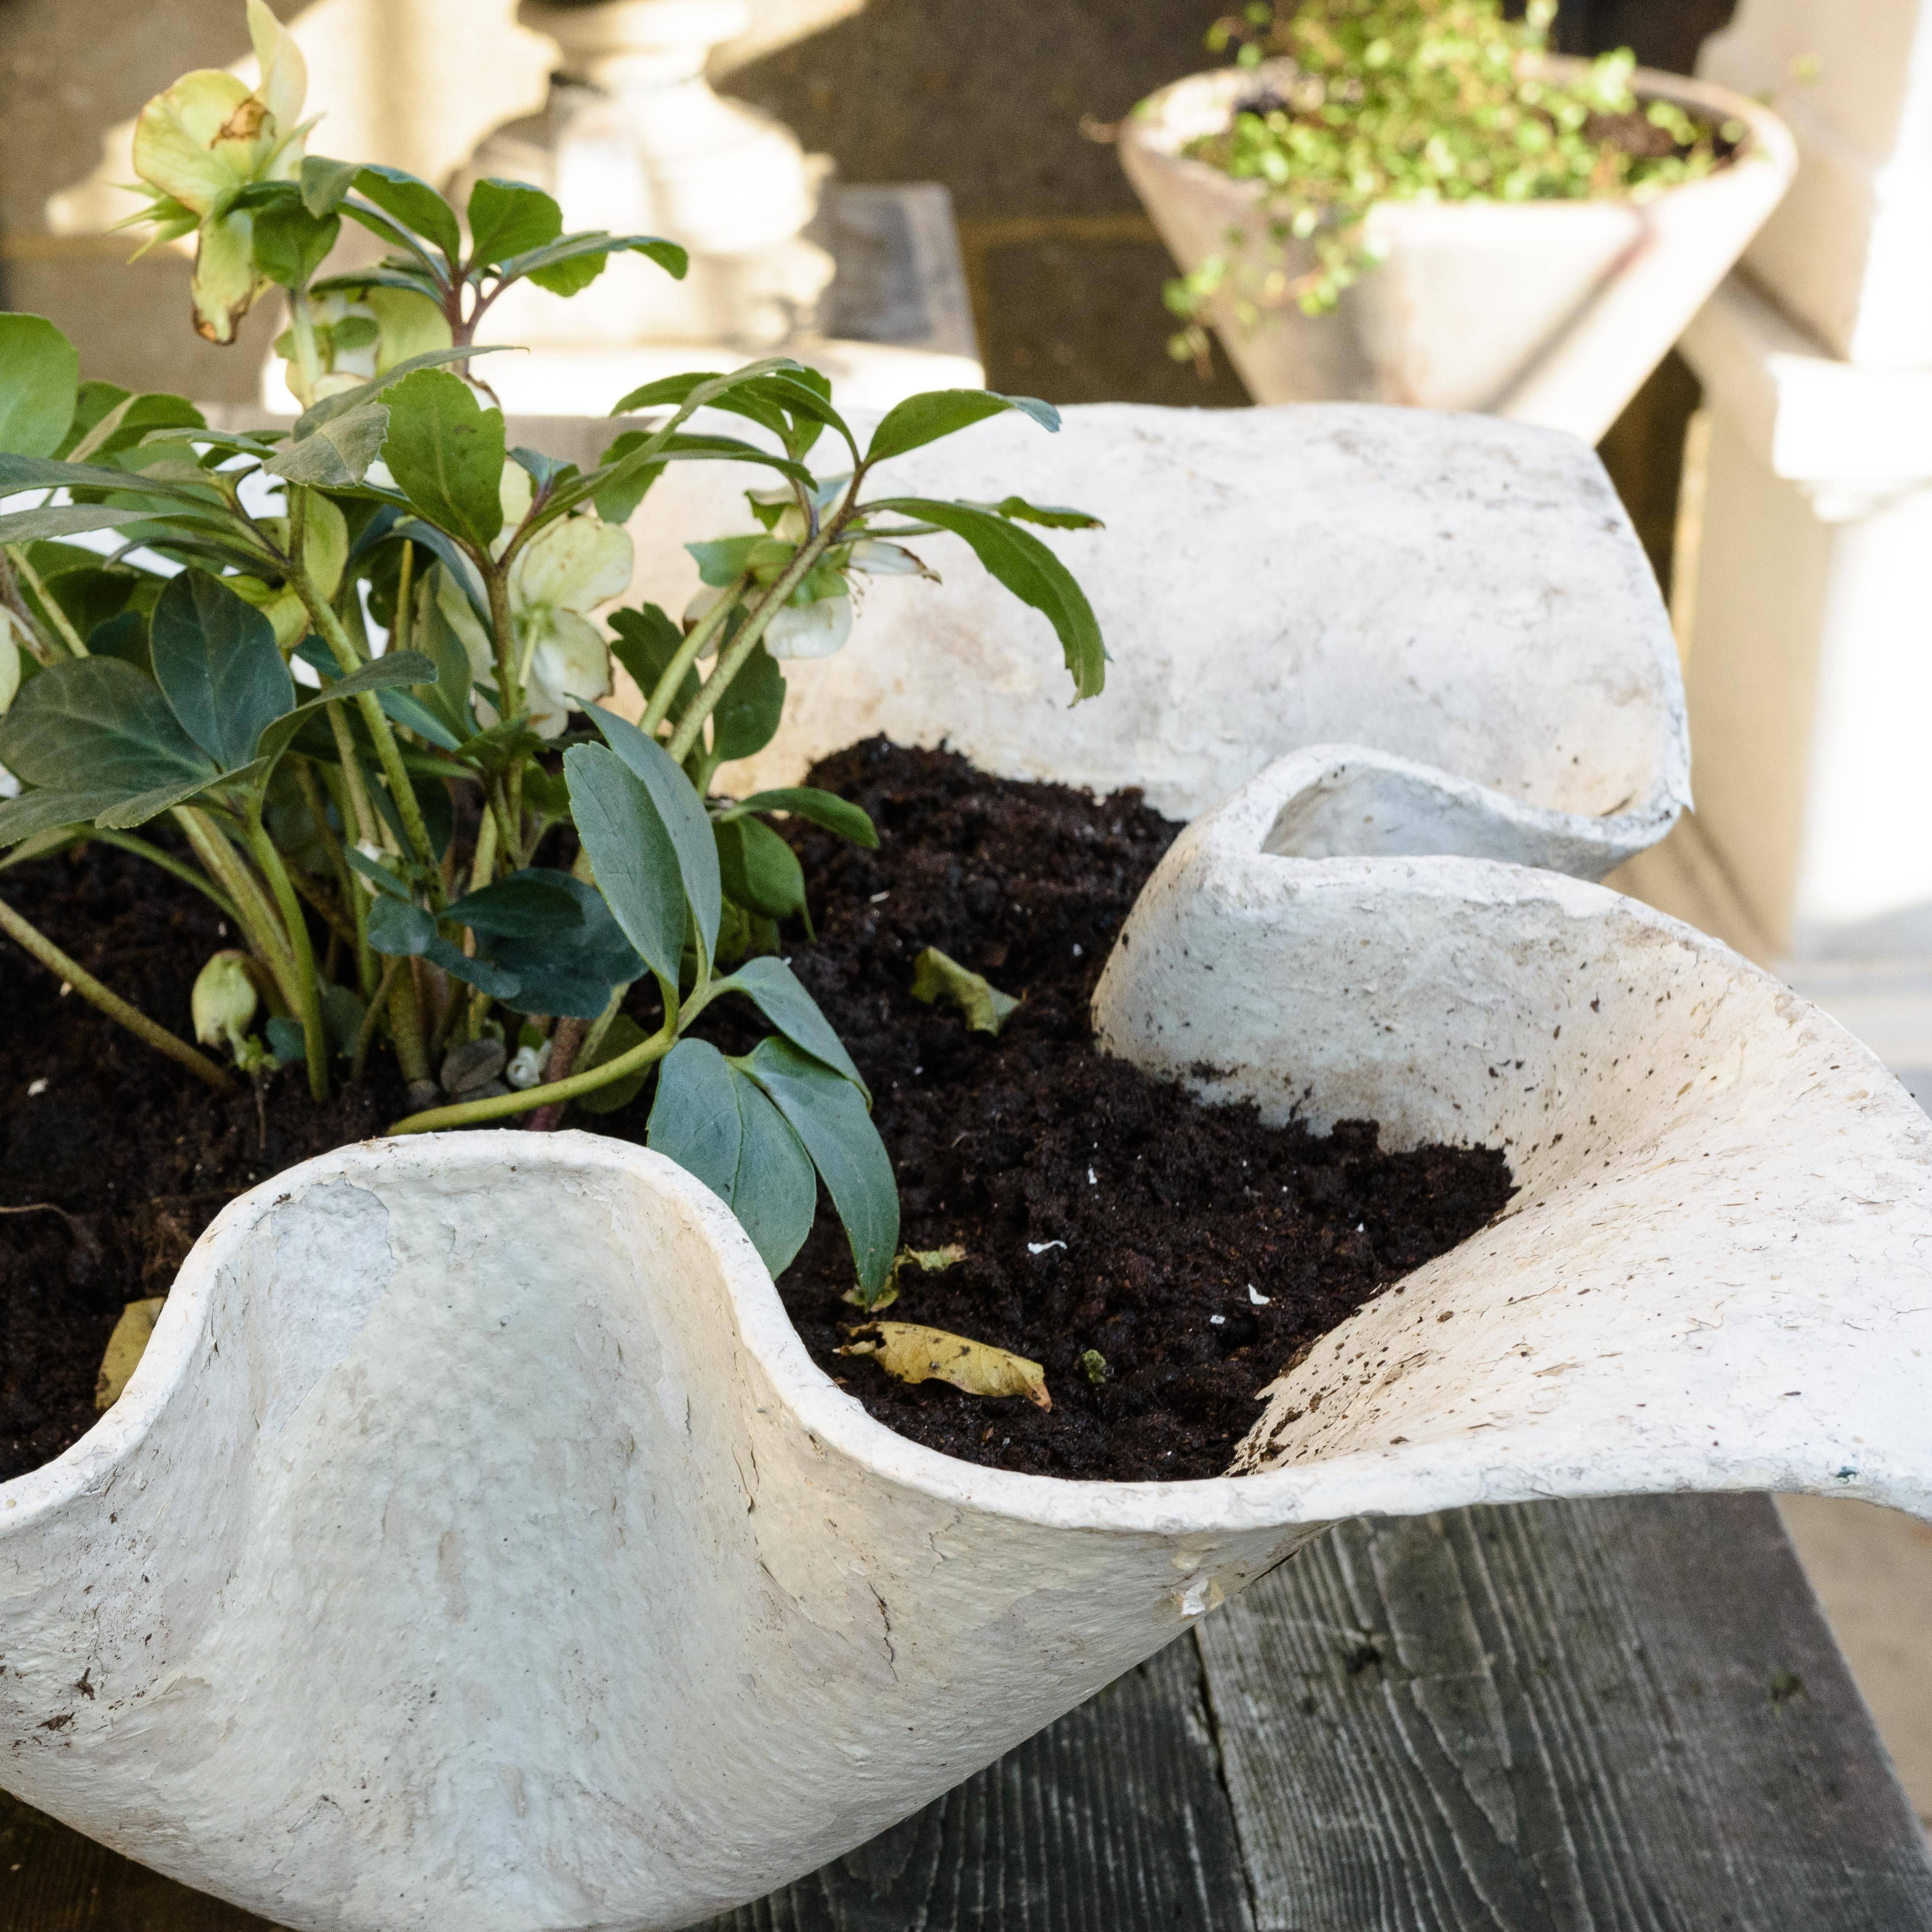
{"x":1546,"y":312}
{"x":1718,"y":1271}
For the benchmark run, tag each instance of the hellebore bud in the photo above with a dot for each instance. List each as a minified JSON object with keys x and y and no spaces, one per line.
{"x":223,"y":1001}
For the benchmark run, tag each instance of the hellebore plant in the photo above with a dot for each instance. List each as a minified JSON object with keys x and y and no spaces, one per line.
{"x":1414,"y":100}
{"x":313,"y":655}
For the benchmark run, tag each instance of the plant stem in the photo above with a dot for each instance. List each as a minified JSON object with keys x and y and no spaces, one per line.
{"x":739,"y":650}
{"x":56,"y":616}
{"x":399,"y":632}
{"x":406,"y":1028}
{"x":509,"y":692}
{"x":365,"y":1034}
{"x":253,"y":914}
{"x":308,"y":996}
{"x":470,"y":1113}
{"x":370,"y":830}
{"x":663,"y":693}
{"x":483,"y":861}
{"x":31,"y":939}
{"x":322,"y":615}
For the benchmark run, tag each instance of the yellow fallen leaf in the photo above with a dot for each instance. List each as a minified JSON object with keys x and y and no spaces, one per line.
{"x":928,"y":1260}
{"x":125,"y":1347}
{"x":913,"y":1353}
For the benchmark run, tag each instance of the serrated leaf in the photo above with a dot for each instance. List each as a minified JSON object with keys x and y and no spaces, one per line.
{"x":939,"y":412}
{"x":415,"y":205}
{"x":645,"y":642}
{"x":216,"y":659}
{"x":827,"y":809}
{"x":630,"y":850}
{"x":1031,"y":571}
{"x":39,"y":380}
{"x":96,"y":724}
{"x":568,"y":265}
{"x":330,"y":407}
{"x":65,"y":520}
{"x":682,"y":813}
{"x":716,"y":1124}
{"x":1048,"y":516}
{"x":445,"y":451}
{"x":335,"y":454}
{"x":829,"y":1114}
{"x":909,"y":1353}
{"x":935,"y":976}
{"x":47,"y":810}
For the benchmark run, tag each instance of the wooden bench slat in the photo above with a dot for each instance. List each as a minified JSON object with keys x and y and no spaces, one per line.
{"x":1621,"y":1716}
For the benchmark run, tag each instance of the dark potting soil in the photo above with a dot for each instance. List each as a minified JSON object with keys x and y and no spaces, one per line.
{"x":1195,"y":1250}
{"x":1157,"y":1222}
{"x":137,"y":1153}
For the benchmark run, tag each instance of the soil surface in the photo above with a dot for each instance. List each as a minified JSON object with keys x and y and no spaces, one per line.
{"x":140,"y":1155}
{"x":1194,"y":1249}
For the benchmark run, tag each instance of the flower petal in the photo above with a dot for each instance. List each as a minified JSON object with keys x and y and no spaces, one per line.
{"x":462,"y":619}
{"x":284,"y":73}
{"x":571,"y":662}
{"x":176,"y":136}
{"x":225,"y":281}
{"x":575,"y":565}
{"x":810,"y":630}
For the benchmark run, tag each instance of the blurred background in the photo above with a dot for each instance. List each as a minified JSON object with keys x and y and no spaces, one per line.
{"x":950,"y":200}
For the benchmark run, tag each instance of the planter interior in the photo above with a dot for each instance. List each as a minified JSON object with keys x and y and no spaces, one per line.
{"x":1545,"y":312}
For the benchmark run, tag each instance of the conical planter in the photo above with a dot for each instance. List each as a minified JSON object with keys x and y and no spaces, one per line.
{"x":1545,"y":312}
{"x":477,"y":1549}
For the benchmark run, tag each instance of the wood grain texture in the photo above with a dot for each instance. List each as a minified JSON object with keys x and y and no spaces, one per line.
{"x":1111,"y":1820}
{"x":1622,"y":1716}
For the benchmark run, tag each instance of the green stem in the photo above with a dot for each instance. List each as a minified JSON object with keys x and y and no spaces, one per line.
{"x":735,"y":654}
{"x":470,"y":1113}
{"x":509,"y":691}
{"x":330,"y":626}
{"x":307,"y":1001}
{"x":663,"y":693}
{"x":31,"y":939}
{"x":56,"y":616}
{"x":365,"y":1034}
{"x":406,"y":1027}
{"x":253,"y":914}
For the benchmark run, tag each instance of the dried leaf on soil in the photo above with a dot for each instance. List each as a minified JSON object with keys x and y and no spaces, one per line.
{"x":125,"y":1347}
{"x":928,"y":1260}
{"x":913,"y":1353}
{"x":935,"y":976}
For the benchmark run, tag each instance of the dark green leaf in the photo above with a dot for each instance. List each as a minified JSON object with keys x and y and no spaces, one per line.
{"x":40,"y":380}
{"x":134,"y":420}
{"x":925,"y":418}
{"x":34,"y":473}
{"x":617,"y":503}
{"x":65,"y":520}
{"x":630,"y":850}
{"x":761,"y":871}
{"x":747,"y":717}
{"x":1032,"y":573}
{"x":620,"y":1037}
{"x":682,"y":811}
{"x":124,"y":636}
{"x":286,"y":1039}
{"x":34,"y":812}
{"x":571,"y":971}
{"x":324,"y":183}
{"x":508,"y":218}
{"x":312,"y":418}
{"x":125,"y":814}
{"x":645,"y":642}
{"x":716,"y":1124}
{"x":771,"y":986}
{"x":1048,"y":516}
{"x":336,"y":453}
{"x":342,"y":1013}
{"x":542,"y":470}
{"x":385,"y":881}
{"x":394,"y":668}
{"x":399,"y":926}
{"x":216,"y":658}
{"x":291,"y":244}
{"x":525,"y":904}
{"x":445,"y":451}
{"x":406,"y":709}
{"x":96,"y":724}
{"x":836,"y":815}
{"x":415,"y":205}
{"x":565,"y":267}
{"x":88,"y":595}
{"x":828,"y":1114}
{"x":484,"y":974}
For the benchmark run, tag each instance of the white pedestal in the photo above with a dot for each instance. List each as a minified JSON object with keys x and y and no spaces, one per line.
{"x":1808,"y":650}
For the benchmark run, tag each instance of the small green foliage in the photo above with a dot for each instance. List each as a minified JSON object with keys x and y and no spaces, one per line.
{"x":1093,"y":1364}
{"x":1371,"y":100}
{"x":935,"y":976}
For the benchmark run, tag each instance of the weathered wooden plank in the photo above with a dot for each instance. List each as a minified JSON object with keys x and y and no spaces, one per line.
{"x":1114,"y":1819}
{"x":1624,"y":1716}
{"x":52,"y":1879}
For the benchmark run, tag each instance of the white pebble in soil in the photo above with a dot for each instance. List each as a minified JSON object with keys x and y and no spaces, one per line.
{"x":1255,"y":1295}
{"x":1216,"y":1321}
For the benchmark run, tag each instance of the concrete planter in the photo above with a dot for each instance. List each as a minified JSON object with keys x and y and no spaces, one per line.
{"x":1545,"y":312}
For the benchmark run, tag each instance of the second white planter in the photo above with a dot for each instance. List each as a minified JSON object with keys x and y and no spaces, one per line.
{"x":1545,"y":312}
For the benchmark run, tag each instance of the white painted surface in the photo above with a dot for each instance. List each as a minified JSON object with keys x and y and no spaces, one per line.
{"x":1718,"y":1271}
{"x":1846,"y":252}
{"x":1551,"y":312}
{"x":1452,"y":589}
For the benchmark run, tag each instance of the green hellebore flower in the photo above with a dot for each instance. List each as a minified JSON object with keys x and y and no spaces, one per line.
{"x":201,"y":142}
{"x":223,"y":1001}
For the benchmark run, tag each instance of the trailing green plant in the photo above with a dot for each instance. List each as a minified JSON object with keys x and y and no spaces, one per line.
{"x":313,"y":654}
{"x":1363,"y":101}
